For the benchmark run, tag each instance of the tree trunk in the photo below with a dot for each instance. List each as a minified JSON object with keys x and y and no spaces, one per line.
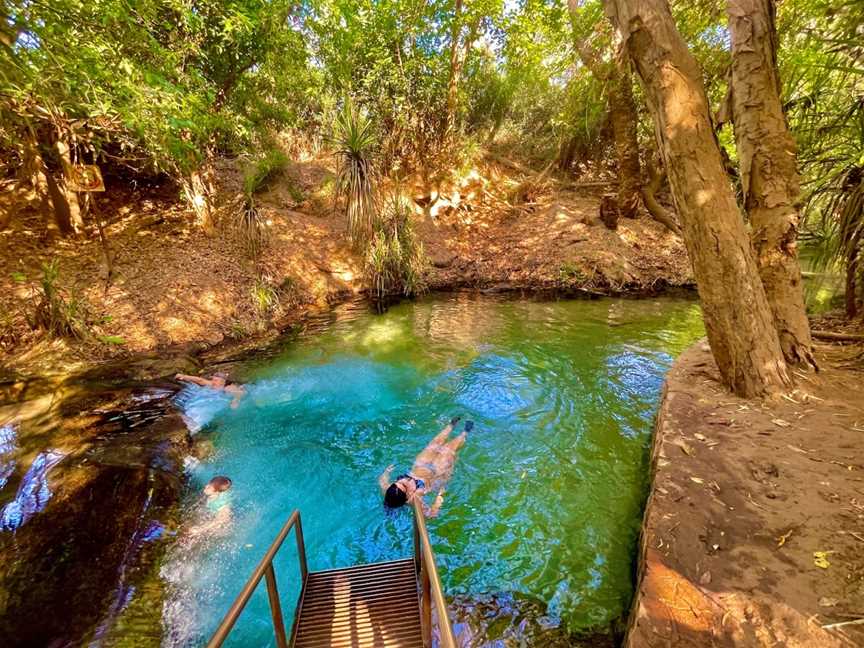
{"x":57,"y":201}
{"x":622,"y":115}
{"x":199,"y":193}
{"x":649,"y":197}
{"x":622,"y":112}
{"x":68,"y":199}
{"x":609,"y":211}
{"x":453,"y":82}
{"x":769,"y":177}
{"x":736,"y":312}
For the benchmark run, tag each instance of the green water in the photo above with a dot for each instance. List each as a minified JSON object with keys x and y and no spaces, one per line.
{"x":547,"y":494}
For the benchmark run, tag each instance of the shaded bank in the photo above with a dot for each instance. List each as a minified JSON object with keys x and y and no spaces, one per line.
{"x":89,"y":504}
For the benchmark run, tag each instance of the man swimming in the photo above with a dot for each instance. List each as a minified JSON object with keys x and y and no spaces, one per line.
{"x":431,"y":471}
{"x":219,"y":382}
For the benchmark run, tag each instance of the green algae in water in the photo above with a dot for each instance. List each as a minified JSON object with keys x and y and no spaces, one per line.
{"x":547,"y":494}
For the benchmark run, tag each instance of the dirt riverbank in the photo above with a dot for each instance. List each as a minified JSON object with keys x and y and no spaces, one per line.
{"x":754,"y":527}
{"x":174,"y":288}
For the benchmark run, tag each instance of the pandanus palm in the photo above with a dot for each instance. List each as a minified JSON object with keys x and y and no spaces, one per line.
{"x":355,"y":179}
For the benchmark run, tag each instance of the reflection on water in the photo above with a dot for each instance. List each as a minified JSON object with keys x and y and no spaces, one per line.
{"x":547,"y":494}
{"x":33,"y":493}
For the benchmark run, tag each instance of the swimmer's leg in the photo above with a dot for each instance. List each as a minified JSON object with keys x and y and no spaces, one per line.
{"x":441,"y":437}
{"x":455,"y":444}
{"x":459,"y":441}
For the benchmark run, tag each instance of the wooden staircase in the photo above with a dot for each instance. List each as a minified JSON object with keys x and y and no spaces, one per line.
{"x":360,"y":607}
{"x":386,"y":605}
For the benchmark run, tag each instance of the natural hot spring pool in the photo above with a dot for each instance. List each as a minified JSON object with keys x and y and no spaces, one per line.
{"x":547,"y":495}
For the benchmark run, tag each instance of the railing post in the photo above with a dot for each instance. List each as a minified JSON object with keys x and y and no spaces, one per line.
{"x":264,"y":569}
{"x":417,"y":549}
{"x":275,"y":607}
{"x":301,"y":549}
{"x":426,"y":606}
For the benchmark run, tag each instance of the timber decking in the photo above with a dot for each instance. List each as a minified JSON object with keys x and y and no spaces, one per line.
{"x":365,"y":606}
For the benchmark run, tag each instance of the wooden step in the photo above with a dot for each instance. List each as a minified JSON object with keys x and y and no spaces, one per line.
{"x":365,"y":606}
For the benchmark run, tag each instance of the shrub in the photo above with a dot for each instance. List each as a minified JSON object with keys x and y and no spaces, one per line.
{"x":264,"y":296}
{"x":260,"y":173}
{"x":570,"y":273}
{"x":251,"y":229}
{"x":57,"y":312}
{"x":395,"y":260}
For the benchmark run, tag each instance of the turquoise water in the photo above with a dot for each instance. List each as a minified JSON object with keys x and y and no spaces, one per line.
{"x":547,"y":493}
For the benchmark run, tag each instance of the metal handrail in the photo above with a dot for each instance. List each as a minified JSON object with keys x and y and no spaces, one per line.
{"x":430,"y":584}
{"x":265,"y":569}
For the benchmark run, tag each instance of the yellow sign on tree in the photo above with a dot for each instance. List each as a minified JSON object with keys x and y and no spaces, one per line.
{"x":84,"y":177}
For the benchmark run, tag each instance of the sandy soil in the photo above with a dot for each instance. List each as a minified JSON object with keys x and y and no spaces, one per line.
{"x":754,"y":528}
{"x":172,"y":286}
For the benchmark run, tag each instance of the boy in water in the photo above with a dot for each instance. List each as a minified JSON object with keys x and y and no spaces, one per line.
{"x":219,"y":382}
{"x":432,"y":469}
{"x":218,"y":504}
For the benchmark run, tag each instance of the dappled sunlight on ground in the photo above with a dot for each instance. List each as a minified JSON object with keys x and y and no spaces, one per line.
{"x":173,"y":285}
{"x":750,"y":534}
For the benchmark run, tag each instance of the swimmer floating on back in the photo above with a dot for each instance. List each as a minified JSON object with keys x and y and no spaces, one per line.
{"x":431,"y":471}
{"x":219,"y":382}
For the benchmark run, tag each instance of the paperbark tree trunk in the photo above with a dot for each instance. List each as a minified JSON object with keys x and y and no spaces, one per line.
{"x":622,"y":115}
{"x":622,"y":112}
{"x":737,"y":316}
{"x":769,"y":176}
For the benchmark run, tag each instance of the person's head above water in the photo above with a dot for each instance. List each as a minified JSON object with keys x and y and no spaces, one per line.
{"x":219,"y":379}
{"x":400,"y":492}
{"x":218,"y":484}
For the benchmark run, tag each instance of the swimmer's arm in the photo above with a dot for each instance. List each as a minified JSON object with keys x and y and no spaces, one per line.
{"x":432,"y":511}
{"x":203,"y":382}
{"x":237,"y":391}
{"x":384,"y":478}
{"x":222,"y":519}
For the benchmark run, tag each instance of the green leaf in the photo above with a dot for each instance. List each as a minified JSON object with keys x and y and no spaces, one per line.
{"x":19,"y":277}
{"x":112,"y":339}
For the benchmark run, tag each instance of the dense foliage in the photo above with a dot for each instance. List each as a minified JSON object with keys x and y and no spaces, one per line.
{"x":163,"y":86}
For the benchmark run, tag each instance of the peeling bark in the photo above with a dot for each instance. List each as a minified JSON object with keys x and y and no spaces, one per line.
{"x":622,"y":115}
{"x":769,"y":176}
{"x":737,"y":316}
{"x":622,"y":111}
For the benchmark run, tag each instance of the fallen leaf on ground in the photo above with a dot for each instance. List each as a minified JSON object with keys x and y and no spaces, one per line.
{"x":828,"y":602}
{"x":820,"y":559}
{"x":781,"y":423}
{"x":698,"y":480}
{"x":783,"y":538}
{"x":685,"y":448}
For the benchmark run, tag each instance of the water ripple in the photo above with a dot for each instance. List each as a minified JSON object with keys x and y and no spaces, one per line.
{"x":547,"y":492}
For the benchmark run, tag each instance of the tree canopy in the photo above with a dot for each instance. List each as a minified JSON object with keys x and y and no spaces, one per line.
{"x":161,"y":86}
